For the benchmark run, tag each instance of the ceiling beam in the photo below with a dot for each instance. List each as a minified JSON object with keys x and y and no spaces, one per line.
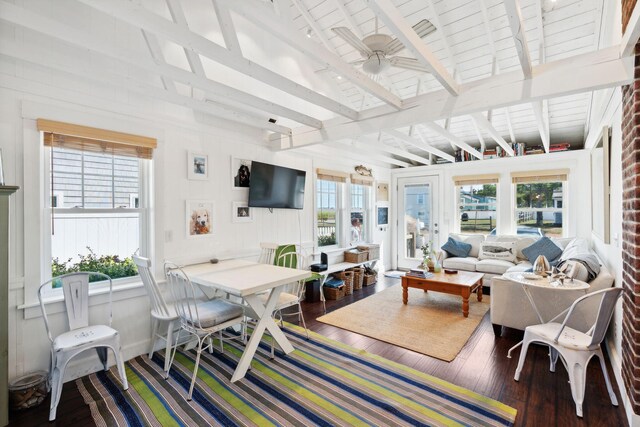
{"x":264,"y":18}
{"x":514,"y":14}
{"x":227,"y":28}
{"x":37,"y":55}
{"x":577,"y":74}
{"x":481,"y":121}
{"x":218,"y":92}
{"x":398,"y":25}
{"x":178,"y":17}
{"x":541,"y":111}
{"x":312,"y":24}
{"x":438,"y":24}
{"x":138,"y":16}
{"x":156,"y":54}
{"x":419,"y":144}
{"x":359,"y":147}
{"x":632,"y":33}
{"x":355,"y":155}
{"x":543,"y":125}
{"x":458,"y":142}
{"x":349,"y":18}
{"x":370,"y":141}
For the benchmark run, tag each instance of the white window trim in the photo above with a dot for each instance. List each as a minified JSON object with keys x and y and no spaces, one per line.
{"x":564,"y":210}
{"x":458,"y":220}
{"x":339,"y":217}
{"x":366,"y":214}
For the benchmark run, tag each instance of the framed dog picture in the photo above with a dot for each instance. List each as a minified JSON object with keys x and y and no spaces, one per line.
{"x":199,"y":218}
{"x":241,"y":212}
{"x":240,"y":173}
{"x":197,"y":166}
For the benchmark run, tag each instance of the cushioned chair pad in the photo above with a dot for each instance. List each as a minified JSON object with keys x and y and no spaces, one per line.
{"x":216,"y":311}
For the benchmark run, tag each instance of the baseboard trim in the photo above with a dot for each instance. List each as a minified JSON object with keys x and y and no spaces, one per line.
{"x":616,"y":364}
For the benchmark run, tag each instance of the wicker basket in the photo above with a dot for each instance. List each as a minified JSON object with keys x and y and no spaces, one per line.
{"x":358,"y":278}
{"x":347,"y":276}
{"x":373,"y":249}
{"x":355,"y":256}
{"x":369,"y":279}
{"x":334,"y":293}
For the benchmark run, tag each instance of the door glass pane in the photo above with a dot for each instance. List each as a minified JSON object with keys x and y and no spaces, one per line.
{"x":417,"y":218}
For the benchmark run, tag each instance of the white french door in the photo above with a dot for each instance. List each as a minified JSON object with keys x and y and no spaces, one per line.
{"x":417,"y":214}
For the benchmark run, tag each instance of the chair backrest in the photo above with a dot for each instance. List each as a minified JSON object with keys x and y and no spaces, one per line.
{"x":608,"y":298}
{"x":184,"y":295}
{"x":267,"y":252}
{"x":283,"y":249}
{"x":293,"y":260}
{"x":75,"y":290}
{"x":158,"y":304}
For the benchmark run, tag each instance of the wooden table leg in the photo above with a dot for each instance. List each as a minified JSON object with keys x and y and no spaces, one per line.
{"x":479,"y":291}
{"x":405,"y":293}
{"x":466,"y":293}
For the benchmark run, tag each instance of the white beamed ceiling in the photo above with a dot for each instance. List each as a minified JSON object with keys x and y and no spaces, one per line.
{"x":461,"y":44}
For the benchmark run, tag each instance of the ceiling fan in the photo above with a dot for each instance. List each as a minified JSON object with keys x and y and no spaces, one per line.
{"x":377,"y":49}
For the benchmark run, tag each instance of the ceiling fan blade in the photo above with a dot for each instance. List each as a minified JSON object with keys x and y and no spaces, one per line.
{"x":348,"y":36}
{"x":358,"y":62}
{"x":408,"y":63}
{"x":422,"y":28}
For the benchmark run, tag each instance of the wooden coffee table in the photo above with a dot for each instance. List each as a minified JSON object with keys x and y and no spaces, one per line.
{"x":463,"y":283}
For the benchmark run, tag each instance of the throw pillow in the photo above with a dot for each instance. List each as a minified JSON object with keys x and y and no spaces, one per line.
{"x":456,"y":248}
{"x":504,"y":251}
{"x":575,"y":270}
{"x":543,"y":246}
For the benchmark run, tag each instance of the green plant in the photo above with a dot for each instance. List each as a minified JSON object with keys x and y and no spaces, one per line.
{"x":111,"y":265}
{"x":327,"y":240}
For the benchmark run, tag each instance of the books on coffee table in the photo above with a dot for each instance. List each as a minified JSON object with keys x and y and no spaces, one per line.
{"x":419,"y":273}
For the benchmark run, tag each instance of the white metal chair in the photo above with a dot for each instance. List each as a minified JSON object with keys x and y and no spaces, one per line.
{"x":267,"y":253}
{"x":293,"y":294}
{"x":80,"y":335}
{"x":575,"y":348}
{"x":160,"y":311}
{"x":198,"y":318}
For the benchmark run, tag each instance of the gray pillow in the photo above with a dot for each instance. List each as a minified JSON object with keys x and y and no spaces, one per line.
{"x":455,"y":248}
{"x":543,"y":246}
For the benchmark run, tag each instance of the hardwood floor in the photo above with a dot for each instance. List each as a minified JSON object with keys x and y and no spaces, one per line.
{"x":541,"y":397}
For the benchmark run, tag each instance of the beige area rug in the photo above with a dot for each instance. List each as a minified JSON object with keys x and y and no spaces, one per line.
{"x":431,"y":323}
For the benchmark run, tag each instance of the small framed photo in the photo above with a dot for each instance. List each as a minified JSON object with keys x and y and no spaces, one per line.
{"x":197,"y":166}
{"x":199,"y":218}
{"x":383,"y":192}
{"x":240,"y":173}
{"x":383,"y":216}
{"x":241,"y":212}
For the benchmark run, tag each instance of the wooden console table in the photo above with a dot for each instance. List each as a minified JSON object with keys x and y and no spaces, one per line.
{"x":5,"y":192}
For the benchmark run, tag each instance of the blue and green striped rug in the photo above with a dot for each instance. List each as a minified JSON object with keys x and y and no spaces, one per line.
{"x":323,"y":383}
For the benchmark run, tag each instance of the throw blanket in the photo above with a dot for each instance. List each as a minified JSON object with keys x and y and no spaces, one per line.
{"x":590,"y":261}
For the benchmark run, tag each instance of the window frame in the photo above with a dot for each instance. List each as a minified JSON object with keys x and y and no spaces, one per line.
{"x":367,"y":217}
{"x":338,"y":218}
{"x":563,"y":210}
{"x":458,"y":219}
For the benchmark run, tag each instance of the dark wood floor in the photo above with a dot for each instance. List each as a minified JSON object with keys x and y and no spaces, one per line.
{"x":542,"y":398}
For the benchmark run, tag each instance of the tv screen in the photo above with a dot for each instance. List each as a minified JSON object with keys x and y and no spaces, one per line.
{"x":274,"y":186}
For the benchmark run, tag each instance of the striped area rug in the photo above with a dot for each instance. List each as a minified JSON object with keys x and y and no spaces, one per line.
{"x":322,"y":383}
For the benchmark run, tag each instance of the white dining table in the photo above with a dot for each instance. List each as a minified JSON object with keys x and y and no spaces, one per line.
{"x":246,"y":279}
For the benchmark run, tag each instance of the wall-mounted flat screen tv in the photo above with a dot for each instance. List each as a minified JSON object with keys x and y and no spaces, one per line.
{"x":276,"y":187}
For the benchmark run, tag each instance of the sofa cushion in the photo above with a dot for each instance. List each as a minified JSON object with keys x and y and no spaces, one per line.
{"x":475,"y":240}
{"x":457,"y":263}
{"x":520,"y":267}
{"x":543,"y":246}
{"x":521,"y":242}
{"x":495,"y":266}
{"x":456,"y":248}
{"x":498,"y":250}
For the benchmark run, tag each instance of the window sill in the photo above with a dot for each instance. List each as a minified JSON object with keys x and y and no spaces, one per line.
{"x":97,"y":297}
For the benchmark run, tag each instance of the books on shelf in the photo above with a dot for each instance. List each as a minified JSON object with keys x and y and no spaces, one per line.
{"x":565,"y":146}
{"x":419,"y":273}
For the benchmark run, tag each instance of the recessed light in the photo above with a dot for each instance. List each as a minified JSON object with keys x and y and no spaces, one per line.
{"x":309,"y":32}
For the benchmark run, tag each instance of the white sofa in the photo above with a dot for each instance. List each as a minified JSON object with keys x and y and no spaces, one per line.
{"x":510,"y":306}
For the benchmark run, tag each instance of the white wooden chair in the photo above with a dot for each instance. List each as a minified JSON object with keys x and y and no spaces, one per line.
{"x":293,"y":294}
{"x":267,"y":252}
{"x":575,"y":348}
{"x":80,"y":335}
{"x":161,"y":312}
{"x":200,"y":319}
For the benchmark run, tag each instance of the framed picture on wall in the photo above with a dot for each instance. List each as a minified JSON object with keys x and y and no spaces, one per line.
{"x":199,"y":218}
{"x":240,"y":173}
{"x":383,"y":215}
{"x":197,"y":166}
{"x":241,"y":212}
{"x":382,"y":194}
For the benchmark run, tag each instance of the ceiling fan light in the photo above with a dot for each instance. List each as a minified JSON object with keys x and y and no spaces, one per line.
{"x":376,"y":64}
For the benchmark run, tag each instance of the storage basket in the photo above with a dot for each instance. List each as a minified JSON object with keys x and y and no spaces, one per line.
{"x":28,"y":391}
{"x":358,"y":278}
{"x":333,"y":291}
{"x":369,"y":279}
{"x":347,"y":276}
{"x":373,"y":250}
{"x":355,"y":256}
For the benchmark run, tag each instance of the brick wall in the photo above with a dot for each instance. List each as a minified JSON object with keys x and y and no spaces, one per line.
{"x":631,"y":226}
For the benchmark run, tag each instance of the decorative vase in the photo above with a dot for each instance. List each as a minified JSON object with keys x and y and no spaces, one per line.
{"x":541,"y":266}
{"x":437,"y":268}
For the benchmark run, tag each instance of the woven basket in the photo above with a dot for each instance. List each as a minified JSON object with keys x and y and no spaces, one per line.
{"x":369,"y":279}
{"x":347,"y":276}
{"x":334,"y":293}
{"x":355,"y":256}
{"x":358,"y":278}
{"x":373,"y":249}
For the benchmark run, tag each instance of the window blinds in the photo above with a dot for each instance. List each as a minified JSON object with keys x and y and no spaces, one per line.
{"x":361,"y":180}
{"x":552,"y":175}
{"x":329,"y":175}
{"x":70,"y":136}
{"x":476,"y":179}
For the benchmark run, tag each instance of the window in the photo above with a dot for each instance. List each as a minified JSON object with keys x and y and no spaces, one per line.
{"x":539,"y":200}
{"x":327,"y":209}
{"x":477,"y":203}
{"x":360,"y":209}
{"x":97,"y":200}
